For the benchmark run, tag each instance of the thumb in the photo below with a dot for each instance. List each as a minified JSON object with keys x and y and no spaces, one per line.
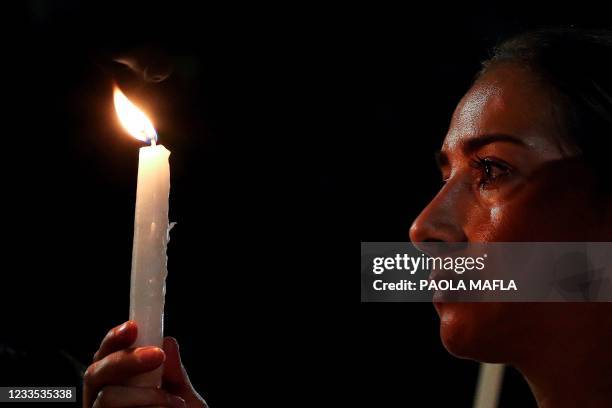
{"x":175,"y":377}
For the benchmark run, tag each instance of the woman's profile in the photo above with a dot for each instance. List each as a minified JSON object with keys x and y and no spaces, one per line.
{"x":527,"y":159}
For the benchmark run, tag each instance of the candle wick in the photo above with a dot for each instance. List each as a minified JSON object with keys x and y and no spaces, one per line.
{"x":153,"y":142}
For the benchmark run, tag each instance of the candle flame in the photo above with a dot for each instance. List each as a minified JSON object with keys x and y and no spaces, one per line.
{"x":133,"y":119}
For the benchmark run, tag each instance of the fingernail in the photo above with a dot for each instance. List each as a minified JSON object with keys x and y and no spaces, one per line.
{"x":121,"y":329}
{"x":176,"y":402}
{"x":150,"y":355}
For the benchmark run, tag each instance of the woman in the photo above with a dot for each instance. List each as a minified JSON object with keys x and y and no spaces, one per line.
{"x":526,"y":158}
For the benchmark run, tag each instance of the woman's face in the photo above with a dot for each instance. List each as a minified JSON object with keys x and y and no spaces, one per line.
{"x":508,"y":176}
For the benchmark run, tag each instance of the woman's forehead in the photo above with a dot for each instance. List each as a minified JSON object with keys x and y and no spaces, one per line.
{"x":506,"y":100}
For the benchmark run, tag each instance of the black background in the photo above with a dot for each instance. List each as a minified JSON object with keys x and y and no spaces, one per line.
{"x":245,"y":115}
{"x":275,"y":115}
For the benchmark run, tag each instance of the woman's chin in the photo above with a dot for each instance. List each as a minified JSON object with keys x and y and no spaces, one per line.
{"x":472,"y":330}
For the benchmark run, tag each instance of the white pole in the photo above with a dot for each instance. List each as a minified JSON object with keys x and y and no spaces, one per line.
{"x":489,"y":385}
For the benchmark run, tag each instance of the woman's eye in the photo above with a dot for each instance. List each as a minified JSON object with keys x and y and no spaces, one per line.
{"x":490,"y":172}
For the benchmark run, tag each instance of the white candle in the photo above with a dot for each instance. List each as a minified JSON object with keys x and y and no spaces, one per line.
{"x":151,"y":233}
{"x":488,"y":388}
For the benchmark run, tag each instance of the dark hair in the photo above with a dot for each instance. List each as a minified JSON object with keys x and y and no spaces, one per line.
{"x":577,"y":65}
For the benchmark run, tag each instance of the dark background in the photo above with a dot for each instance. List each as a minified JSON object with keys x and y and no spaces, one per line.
{"x":272,"y":114}
{"x":253,"y":157}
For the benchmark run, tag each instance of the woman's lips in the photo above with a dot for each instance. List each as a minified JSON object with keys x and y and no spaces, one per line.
{"x":443,"y":296}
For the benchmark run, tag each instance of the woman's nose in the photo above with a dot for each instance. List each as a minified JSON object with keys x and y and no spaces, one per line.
{"x":442,"y":219}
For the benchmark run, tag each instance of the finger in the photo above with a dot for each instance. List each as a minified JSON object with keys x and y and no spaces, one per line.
{"x":117,"y":338}
{"x":175,"y":376}
{"x":116,"y":396}
{"x":118,"y":367}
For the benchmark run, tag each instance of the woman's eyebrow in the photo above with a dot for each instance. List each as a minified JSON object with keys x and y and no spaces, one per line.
{"x":473,"y":144}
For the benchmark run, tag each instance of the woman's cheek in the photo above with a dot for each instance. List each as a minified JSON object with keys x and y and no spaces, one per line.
{"x":488,"y":223}
{"x":487,"y":218}
{"x":515,"y":210}
{"x":515,"y":221}
{"x":503,"y":222}
{"x":537,"y":215}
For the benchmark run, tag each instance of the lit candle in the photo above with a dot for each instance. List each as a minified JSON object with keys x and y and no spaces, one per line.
{"x":151,"y":232}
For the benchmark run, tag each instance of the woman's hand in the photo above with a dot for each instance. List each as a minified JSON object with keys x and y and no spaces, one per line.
{"x":115,"y":363}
